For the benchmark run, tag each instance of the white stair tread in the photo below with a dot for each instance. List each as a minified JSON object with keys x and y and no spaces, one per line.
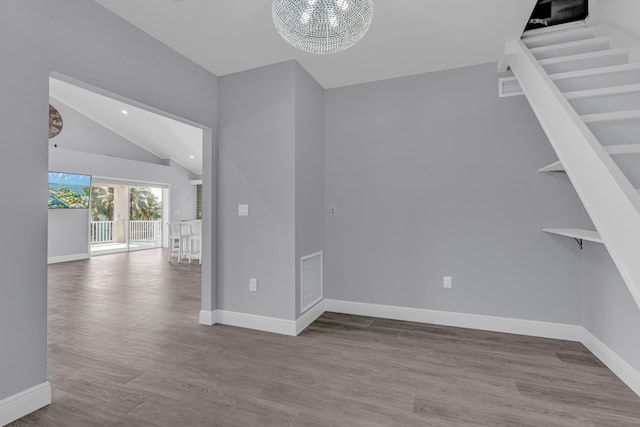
{"x":611,"y":149}
{"x":512,"y":82}
{"x":612,"y":69}
{"x":611,"y":117}
{"x":542,"y":35}
{"x":605,"y":91}
{"x":567,"y":45}
{"x":583,"y":56}
{"x":576,"y":233}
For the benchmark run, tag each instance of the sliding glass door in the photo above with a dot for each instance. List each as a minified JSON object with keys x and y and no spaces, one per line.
{"x":125,"y":217}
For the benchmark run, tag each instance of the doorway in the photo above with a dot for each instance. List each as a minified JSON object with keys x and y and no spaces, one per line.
{"x":123,"y":142}
{"x":126,"y":217}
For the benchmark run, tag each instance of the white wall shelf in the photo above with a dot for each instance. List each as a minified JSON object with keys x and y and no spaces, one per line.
{"x":579,"y":234}
{"x":553,"y":167}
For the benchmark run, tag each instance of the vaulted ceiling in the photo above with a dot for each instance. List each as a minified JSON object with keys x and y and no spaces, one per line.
{"x":159,"y":135}
{"x":406,"y":37}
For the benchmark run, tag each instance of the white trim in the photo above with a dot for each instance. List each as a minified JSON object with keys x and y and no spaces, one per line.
{"x":207,"y":317}
{"x":24,"y":403}
{"x":462,"y":320}
{"x":627,"y":373}
{"x":309,"y":316}
{"x":259,"y":323}
{"x":196,"y":182}
{"x":67,"y":258}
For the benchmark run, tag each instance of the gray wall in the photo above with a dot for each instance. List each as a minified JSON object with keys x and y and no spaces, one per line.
{"x":622,"y":14}
{"x":434,"y":175}
{"x":81,"y":133}
{"x":80,"y":39}
{"x":68,"y":232}
{"x":309,"y":166}
{"x":271,"y":134}
{"x":256,"y":137}
{"x":608,"y":310}
{"x":75,"y":228}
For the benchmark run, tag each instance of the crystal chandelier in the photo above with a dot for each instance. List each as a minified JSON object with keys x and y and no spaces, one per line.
{"x":322,"y":26}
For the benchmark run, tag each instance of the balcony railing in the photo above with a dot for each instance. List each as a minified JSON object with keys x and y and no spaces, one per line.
{"x":139,"y":231}
{"x":102,"y":231}
{"x":145,"y":231}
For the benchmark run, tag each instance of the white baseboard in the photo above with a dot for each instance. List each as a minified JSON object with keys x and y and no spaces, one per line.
{"x":309,"y":316}
{"x":252,"y":321}
{"x":262,"y":323}
{"x":627,"y":373}
{"x":24,"y":403}
{"x":67,"y":258}
{"x":462,"y":320}
{"x":207,"y":317}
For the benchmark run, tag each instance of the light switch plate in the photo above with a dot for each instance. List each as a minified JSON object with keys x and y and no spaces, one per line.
{"x":448,"y":282}
{"x":243,"y":210}
{"x":253,"y":285}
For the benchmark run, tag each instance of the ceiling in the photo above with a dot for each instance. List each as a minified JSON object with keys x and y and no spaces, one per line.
{"x":406,"y":37}
{"x":166,"y":138}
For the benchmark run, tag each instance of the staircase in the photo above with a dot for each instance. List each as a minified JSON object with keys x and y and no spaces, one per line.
{"x":583,"y":84}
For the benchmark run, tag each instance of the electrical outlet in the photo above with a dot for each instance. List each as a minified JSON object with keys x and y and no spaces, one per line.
{"x":332,"y":211}
{"x":253,"y":285}
{"x":447,"y":282}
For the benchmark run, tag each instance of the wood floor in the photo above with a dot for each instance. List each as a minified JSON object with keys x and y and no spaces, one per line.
{"x":125,"y":349}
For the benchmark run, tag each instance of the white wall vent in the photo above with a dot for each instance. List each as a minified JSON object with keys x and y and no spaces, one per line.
{"x":509,"y":86}
{"x":310,"y":280}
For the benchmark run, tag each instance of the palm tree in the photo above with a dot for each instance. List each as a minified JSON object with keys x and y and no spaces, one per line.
{"x":144,"y":205}
{"x":102,"y":203}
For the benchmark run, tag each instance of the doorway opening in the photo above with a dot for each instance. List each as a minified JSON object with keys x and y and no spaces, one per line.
{"x":145,"y":165}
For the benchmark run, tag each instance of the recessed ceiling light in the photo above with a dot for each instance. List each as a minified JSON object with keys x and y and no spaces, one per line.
{"x":193,"y":157}
{"x":125,"y":112}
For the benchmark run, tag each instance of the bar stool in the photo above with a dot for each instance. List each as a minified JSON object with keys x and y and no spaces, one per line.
{"x":174,"y":240}
{"x":185,"y":240}
{"x":196,"y":241}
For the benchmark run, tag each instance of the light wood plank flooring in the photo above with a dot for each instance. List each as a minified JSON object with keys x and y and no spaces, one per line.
{"x":125,"y":349}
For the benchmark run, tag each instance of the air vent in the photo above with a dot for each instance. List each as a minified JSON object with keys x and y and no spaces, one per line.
{"x":310,"y":280}
{"x":509,"y":86}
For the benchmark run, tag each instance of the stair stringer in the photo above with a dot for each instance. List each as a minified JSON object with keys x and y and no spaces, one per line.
{"x":607,"y":195}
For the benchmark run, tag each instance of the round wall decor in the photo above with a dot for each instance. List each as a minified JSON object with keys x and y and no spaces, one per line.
{"x":55,"y":122}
